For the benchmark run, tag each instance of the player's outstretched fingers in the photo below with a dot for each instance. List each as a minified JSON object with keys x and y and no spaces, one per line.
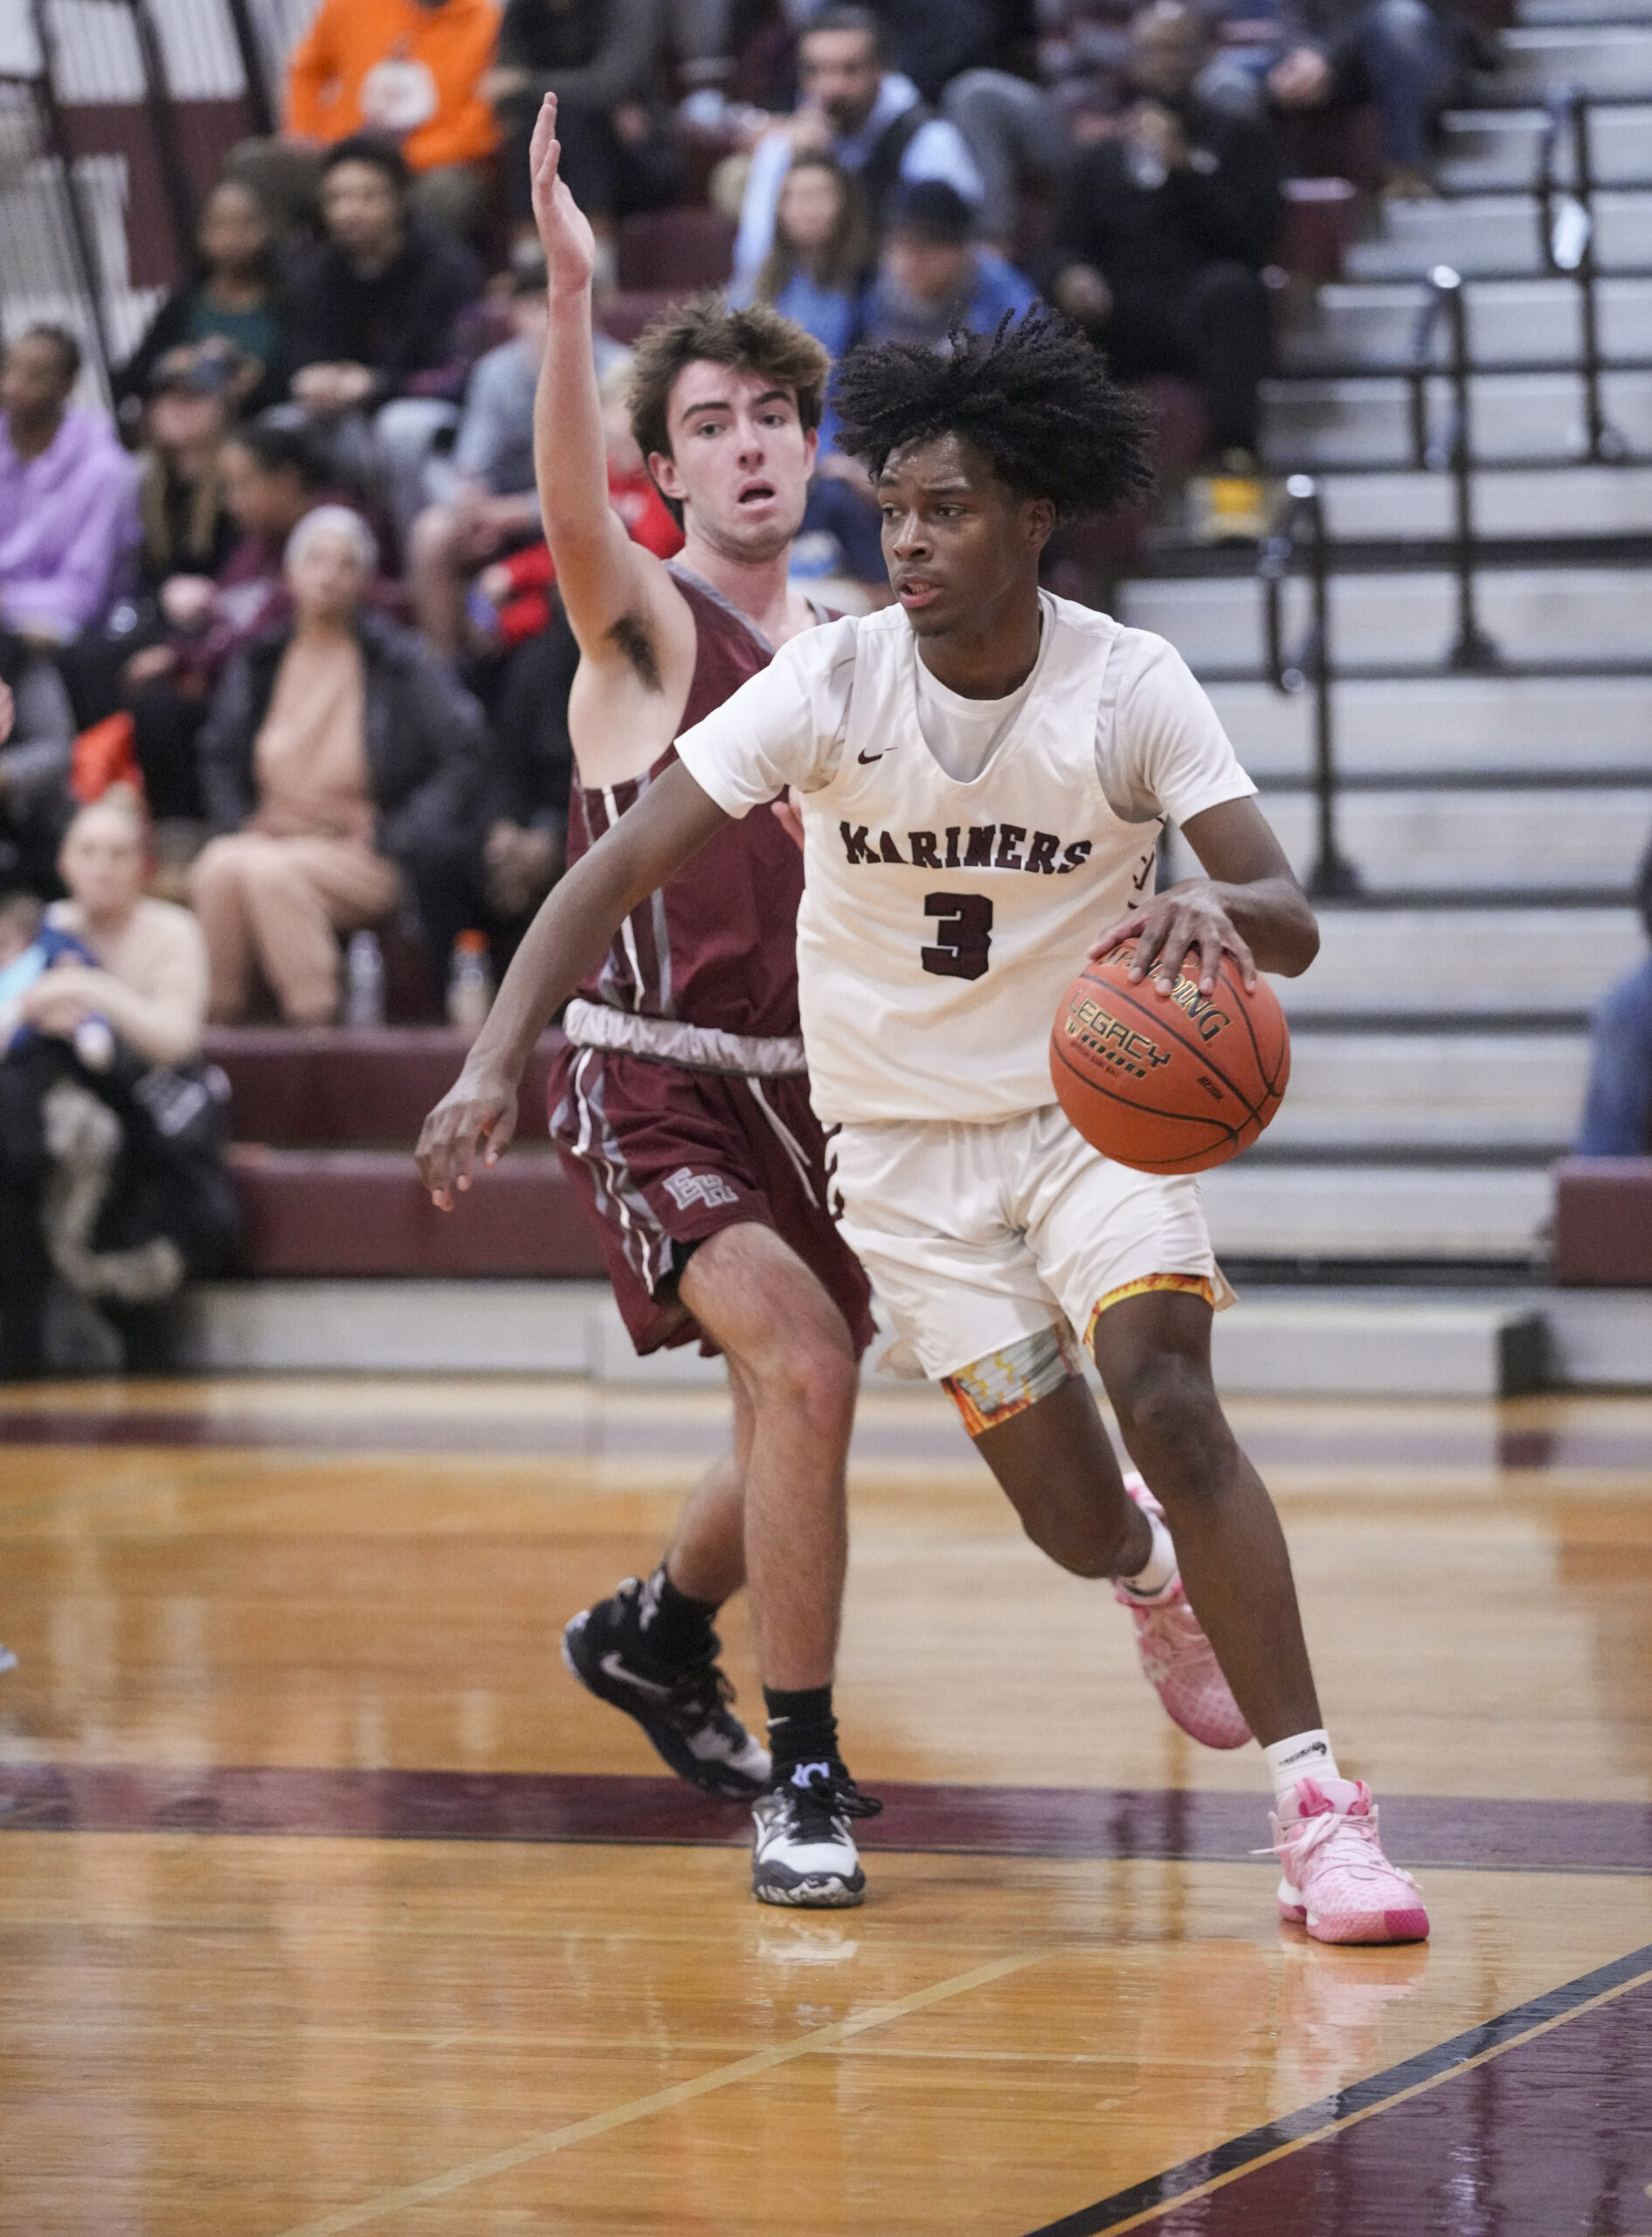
{"x":544,"y":152}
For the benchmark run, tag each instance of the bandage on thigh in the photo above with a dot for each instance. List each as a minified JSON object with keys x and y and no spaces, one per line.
{"x":991,"y":1391}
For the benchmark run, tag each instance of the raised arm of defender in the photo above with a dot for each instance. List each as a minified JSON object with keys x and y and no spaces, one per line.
{"x":604,"y":578}
{"x":578,"y":918}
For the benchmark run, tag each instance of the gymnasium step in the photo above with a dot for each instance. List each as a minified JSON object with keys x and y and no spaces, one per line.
{"x":1614,"y":60}
{"x":1579,"y":501}
{"x":1490,"y":725}
{"x":363,"y":1212}
{"x":339,"y":1085}
{"x":1356,"y":1213}
{"x":1538,"y":616}
{"x":1496,"y":150}
{"x":1312,"y":423}
{"x":1435,"y":1342}
{"x":1509,"y":1094}
{"x":1497,"y":966}
{"x":1497,"y":234}
{"x":1374,"y":325}
{"x":1503,"y":842}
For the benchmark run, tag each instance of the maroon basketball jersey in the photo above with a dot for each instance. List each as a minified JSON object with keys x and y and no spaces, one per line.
{"x":717,"y":944}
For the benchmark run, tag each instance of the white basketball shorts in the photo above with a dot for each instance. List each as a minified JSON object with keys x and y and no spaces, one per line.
{"x":978,"y":1235}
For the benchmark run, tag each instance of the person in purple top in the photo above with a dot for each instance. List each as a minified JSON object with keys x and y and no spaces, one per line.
{"x":68,"y":494}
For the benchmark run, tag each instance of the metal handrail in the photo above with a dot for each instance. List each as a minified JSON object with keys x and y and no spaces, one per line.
{"x":1299,"y":533}
{"x":1566,"y":231}
{"x":1451,"y":452}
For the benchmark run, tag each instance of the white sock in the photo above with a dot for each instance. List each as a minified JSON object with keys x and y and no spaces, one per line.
{"x":1306,"y":1755}
{"x":1150,"y":1582}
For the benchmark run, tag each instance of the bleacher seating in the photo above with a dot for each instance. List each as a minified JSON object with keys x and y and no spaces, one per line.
{"x":324,"y":1123}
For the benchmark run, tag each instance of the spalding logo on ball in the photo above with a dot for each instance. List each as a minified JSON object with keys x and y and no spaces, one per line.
{"x":1168,"y":1083}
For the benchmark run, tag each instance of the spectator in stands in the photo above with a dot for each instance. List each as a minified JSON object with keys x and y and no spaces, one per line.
{"x":118,"y":1118}
{"x":186,"y":536}
{"x":1617,"y":1110}
{"x":343,"y":768}
{"x":234,"y":292}
{"x":601,"y":58}
{"x":36,"y":738}
{"x":488,"y":505}
{"x":820,"y":258}
{"x":932,"y":279}
{"x":1399,"y":54}
{"x":272,"y":474}
{"x":870,"y":119}
{"x":376,"y":304}
{"x":187,"y":530}
{"x":412,"y":71}
{"x":1158,"y":248}
{"x":68,"y":507}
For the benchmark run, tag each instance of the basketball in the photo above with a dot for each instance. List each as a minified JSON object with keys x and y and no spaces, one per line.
{"x":1168,"y":1083}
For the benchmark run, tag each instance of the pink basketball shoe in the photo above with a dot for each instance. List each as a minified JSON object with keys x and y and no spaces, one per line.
{"x":1178,"y":1659}
{"x":1338,"y":1882}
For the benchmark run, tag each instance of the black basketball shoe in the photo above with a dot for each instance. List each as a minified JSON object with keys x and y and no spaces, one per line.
{"x":683,"y":1708}
{"x":805,"y":1856}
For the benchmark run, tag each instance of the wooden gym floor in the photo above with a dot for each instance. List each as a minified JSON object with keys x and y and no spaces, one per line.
{"x":327,"y":1902}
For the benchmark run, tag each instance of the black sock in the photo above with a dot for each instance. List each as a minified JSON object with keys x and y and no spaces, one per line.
{"x":802,"y":1728}
{"x":674,"y":1628}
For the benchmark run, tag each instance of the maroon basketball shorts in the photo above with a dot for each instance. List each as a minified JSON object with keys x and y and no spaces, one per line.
{"x":664,"y":1157}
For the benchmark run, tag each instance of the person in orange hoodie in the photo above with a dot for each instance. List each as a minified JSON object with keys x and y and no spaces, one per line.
{"x":411,"y":70}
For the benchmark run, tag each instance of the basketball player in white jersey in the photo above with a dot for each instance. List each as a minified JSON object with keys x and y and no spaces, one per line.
{"x":981,"y":772}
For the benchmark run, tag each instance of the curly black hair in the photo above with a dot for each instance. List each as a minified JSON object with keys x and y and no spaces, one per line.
{"x":1034,"y":397}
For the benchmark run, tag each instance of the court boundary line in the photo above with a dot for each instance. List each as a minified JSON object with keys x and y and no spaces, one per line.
{"x":1099,"y":1825}
{"x":660,"y":2100}
{"x":1145,"y":2202}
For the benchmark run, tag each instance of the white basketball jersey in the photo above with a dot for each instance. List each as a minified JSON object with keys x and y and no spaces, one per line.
{"x":942,"y":921}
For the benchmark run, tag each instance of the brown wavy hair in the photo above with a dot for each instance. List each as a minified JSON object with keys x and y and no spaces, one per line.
{"x":756,"y":340}
{"x":846,"y":256}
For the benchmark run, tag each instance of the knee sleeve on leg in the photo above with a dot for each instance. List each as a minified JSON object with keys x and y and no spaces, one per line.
{"x":994,"y":1389}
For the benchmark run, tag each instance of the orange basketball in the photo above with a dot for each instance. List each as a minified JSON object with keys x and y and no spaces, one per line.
{"x":1168,"y":1083}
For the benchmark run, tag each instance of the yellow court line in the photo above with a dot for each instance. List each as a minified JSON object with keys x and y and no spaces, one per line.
{"x":660,"y":2100}
{"x":1352,"y":2120}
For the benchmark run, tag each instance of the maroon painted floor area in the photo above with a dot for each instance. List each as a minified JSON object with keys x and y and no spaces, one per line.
{"x":1168,"y":1824}
{"x":1550,"y":2136}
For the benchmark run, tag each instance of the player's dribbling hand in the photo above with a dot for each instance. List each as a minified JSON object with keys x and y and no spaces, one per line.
{"x":1184,"y":920}
{"x":475,"y":1110}
{"x":564,"y":229}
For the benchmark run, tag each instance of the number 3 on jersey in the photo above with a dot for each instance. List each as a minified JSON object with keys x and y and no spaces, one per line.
{"x":963,"y":934}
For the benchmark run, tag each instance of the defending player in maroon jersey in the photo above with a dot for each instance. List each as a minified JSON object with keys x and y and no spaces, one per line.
{"x":681,"y":1103}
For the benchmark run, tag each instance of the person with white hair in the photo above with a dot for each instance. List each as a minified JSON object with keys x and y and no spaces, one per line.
{"x":342,"y":768}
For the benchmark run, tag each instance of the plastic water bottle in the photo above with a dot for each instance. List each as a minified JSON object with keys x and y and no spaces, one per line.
{"x":363,"y":980}
{"x":470,"y":984}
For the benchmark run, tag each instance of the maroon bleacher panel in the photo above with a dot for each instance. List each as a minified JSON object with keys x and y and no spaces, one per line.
{"x":1603,"y":1222}
{"x":675,"y":249}
{"x":206,"y":132}
{"x":623,"y":316}
{"x":700,"y":149}
{"x":1320,"y":215}
{"x":1333,"y":144}
{"x":353,"y":1213}
{"x":334,"y":1086}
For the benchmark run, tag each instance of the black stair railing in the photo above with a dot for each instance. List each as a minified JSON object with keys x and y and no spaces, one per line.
{"x":1565,"y":229}
{"x":1299,"y":538}
{"x":1449,"y":448}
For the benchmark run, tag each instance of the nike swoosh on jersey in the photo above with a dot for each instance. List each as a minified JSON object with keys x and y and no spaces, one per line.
{"x":613,"y":1668}
{"x":872,"y":757}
